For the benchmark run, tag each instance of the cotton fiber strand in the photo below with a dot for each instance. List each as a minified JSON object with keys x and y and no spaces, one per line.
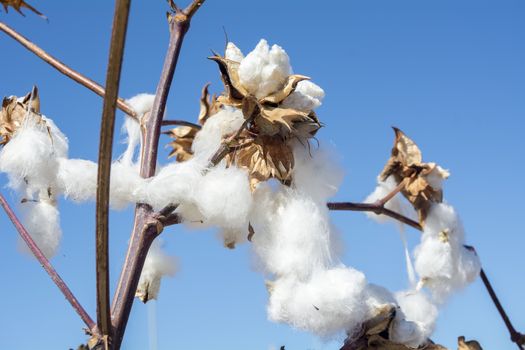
{"x":42,"y":221}
{"x":77,"y":179}
{"x":157,"y":265}
{"x":124,"y":184}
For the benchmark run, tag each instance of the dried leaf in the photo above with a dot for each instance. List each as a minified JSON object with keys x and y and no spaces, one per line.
{"x":265,"y":157}
{"x":14,"y":111}
{"x":468,"y":345}
{"x":288,"y":88}
{"x":374,"y":334}
{"x":184,"y":136}
{"x":406,"y":162}
{"x":18,"y":5}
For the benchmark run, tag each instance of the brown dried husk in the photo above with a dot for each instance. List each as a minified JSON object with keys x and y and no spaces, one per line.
{"x":14,"y":112}
{"x":17,"y":5}
{"x":375,"y":333}
{"x":406,"y":164}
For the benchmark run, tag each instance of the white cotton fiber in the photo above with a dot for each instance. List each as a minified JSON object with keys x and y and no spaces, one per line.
{"x":395,"y":204}
{"x":327,"y":304}
{"x":306,"y":97}
{"x":316,"y":172}
{"x":157,"y":265}
{"x":292,"y":232}
{"x":436,"y":177}
{"x":226,"y":122}
{"x":29,"y":157}
{"x":442,"y":262}
{"x":173,"y":184}
{"x":42,"y":221}
{"x":415,"y":320}
{"x":233,"y":53}
{"x":141,"y":103}
{"x":58,"y":139}
{"x":223,"y":197}
{"x":264,"y":71}
{"x":124,"y":184}
{"x":77,"y":179}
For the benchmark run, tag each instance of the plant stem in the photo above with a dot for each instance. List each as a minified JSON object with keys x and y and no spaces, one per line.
{"x":145,"y":228}
{"x":182,"y":123}
{"x":64,"y":69}
{"x":59,"y":282}
{"x":107,"y":127}
{"x":379,"y":208}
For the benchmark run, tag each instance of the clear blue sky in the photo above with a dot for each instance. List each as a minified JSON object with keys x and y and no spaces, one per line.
{"x":450,"y":73}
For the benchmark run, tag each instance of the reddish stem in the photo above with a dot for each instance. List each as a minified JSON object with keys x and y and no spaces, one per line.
{"x":59,"y":282}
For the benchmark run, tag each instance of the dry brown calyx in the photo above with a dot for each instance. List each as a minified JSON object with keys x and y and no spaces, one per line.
{"x":264,"y":145}
{"x":17,"y":5}
{"x":375,"y":334}
{"x":422,"y":180}
{"x":14,"y":111}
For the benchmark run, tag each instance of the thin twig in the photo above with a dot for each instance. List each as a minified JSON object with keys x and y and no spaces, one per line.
{"x":64,"y":69}
{"x":59,"y":282}
{"x":144,"y":231}
{"x":392,"y":193}
{"x":182,"y":123}
{"x":378,"y":208}
{"x":107,"y":127}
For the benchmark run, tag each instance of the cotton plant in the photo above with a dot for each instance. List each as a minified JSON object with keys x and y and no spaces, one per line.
{"x":248,"y":168}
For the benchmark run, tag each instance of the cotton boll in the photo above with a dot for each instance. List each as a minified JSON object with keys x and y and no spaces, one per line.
{"x":415,"y":321}
{"x":328,"y":304}
{"x":443,"y":220}
{"x":306,"y":97}
{"x":223,"y":197}
{"x":292,"y":233}
{"x":436,"y":177}
{"x":316,"y":172}
{"x":233,"y":53}
{"x":251,"y":67}
{"x":29,"y":157}
{"x":77,"y":179}
{"x":227,"y":121}
{"x":125,"y":181}
{"x":42,"y":221}
{"x":141,"y":103}
{"x":434,"y":258}
{"x":157,"y":265}
{"x":275,"y":72}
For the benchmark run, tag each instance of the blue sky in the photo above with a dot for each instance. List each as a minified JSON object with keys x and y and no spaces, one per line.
{"x":451,"y":74}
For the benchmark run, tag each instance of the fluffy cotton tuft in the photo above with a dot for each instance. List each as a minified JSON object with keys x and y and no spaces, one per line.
{"x":77,"y":179}
{"x":227,"y":121}
{"x":141,"y":103}
{"x":306,"y":97}
{"x":157,"y":265}
{"x":327,"y":304}
{"x":29,"y":158}
{"x":264,"y":70}
{"x":415,"y":321}
{"x":42,"y":221}
{"x":441,"y":260}
{"x":233,"y":53}
{"x":316,"y":172}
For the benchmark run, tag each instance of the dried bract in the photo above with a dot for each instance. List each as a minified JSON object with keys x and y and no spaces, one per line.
{"x":18,"y":5}
{"x":422,"y":180}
